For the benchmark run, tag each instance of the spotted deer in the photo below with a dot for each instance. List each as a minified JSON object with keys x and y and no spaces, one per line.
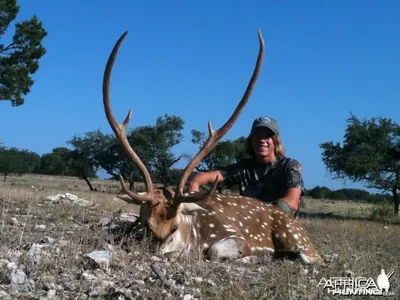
{"x":220,"y":226}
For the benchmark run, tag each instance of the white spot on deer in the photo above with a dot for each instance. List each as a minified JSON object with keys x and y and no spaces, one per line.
{"x":227,"y":226}
{"x":247,"y":231}
{"x":241,"y":224}
{"x":219,"y":199}
{"x":295,"y":236}
{"x":230,"y":230}
{"x":270,"y":217}
{"x":205,"y":245}
{"x":211,"y":225}
{"x":284,"y":235}
{"x":221,"y":210}
{"x":277,"y":235}
{"x":212,"y":235}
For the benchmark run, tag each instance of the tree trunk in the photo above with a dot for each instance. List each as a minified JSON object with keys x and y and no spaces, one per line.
{"x":131,"y":185}
{"x":396,"y":201}
{"x":5,"y":177}
{"x":88,"y":183}
{"x":396,"y":190}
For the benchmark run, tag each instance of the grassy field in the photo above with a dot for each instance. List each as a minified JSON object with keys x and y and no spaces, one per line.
{"x":44,"y":246}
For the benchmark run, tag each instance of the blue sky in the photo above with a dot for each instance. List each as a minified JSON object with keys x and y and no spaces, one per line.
{"x":194,"y":59}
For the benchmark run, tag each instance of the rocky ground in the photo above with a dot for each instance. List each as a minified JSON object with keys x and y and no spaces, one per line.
{"x":69,"y":248}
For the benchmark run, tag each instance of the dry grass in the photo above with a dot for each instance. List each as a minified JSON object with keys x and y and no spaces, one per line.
{"x":363,"y":248}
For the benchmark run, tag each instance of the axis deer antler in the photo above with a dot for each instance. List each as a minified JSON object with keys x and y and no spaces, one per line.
{"x":120,"y":132}
{"x":215,"y":136}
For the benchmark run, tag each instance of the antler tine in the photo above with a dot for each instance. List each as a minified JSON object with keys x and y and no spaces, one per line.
{"x":215,"y":136}
{"x":120,"y":130}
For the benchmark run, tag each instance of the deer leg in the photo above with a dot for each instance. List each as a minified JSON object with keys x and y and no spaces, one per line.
{"x":228,"y":248}
{"x":290,"y":237}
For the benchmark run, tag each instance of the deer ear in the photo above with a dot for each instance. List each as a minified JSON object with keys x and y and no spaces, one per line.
{"x":191,"y":208}
{"x":168,"y":193}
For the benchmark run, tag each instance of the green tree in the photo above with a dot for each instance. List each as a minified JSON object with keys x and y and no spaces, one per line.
{"x":81,"y":166}
{"x":319,"y":192}
{"x":19,"y":59}
{"x":31,"y":161}
{"x":57,"y":162}
{"x":238,"y":148}
{"x":14,"y":160}
{"x":367,"y":155}
{"x":83,"y":156}
{"x":224,"y":153}
{"x":153,"y":144}
{"x":164,"y":136}
{"x":104,"y":152}
{"x":10,"y":162}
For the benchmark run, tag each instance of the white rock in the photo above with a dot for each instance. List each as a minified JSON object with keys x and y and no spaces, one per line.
{"x":4,"y":295}
{"x":67,"y":197}
{"x":40,"y":227}
{"x":102,"y":258}
{"x":14,"y":221}
{"x":36,"y":252}
{"x":17,"y":276}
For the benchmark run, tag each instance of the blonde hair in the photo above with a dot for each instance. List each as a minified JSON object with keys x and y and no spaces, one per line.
{"x":278,"y":146}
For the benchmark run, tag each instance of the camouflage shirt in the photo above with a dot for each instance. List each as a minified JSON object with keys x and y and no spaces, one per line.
{"x":267,"y":182}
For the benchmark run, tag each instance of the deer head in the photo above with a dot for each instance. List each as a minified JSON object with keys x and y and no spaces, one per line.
{"x":215,"y":223}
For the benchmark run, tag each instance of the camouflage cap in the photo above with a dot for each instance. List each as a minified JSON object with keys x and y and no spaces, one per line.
{"x":266,"y":122}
